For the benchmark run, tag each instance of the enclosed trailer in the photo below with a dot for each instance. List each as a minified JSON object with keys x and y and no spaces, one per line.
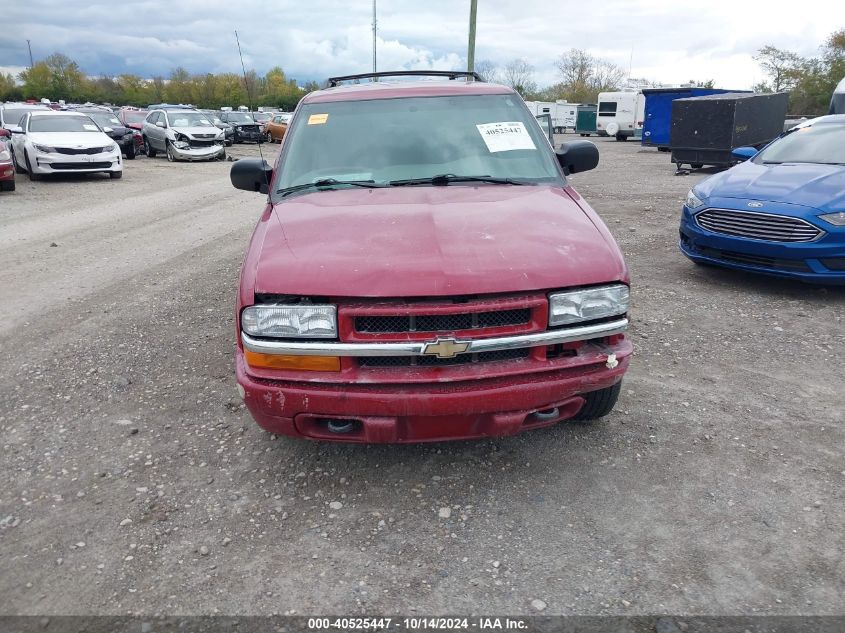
{"x":585,"y":119}
{"x":706,"y":129}
{"x":837,"y":101}
{"x":564,"y":116}
{"x":620,"y":113}
{"x":658,"y":111}
{"x":541,"y":107}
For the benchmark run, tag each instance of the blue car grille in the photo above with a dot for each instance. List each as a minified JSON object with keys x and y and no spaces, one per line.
{"x":757,"y":226}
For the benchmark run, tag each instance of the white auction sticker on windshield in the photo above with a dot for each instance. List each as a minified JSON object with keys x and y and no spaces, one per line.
{"x":89,"y":127}
{"x":505,"y":136}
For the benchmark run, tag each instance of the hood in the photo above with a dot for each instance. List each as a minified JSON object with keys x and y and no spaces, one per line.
{"x":118,"y":131}
{"x":242,"y":123}
{"x":433,"y":241}
{"x":819,"y":186}
{"x":70,"y":139}
{"x":204,"y":133}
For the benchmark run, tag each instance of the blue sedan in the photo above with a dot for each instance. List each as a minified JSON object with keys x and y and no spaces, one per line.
{"x":782,"y":212}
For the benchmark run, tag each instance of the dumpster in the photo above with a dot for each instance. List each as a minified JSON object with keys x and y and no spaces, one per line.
{"x":706,"y":129}
{"x":585,"y":119}
{"x":658,"y":111}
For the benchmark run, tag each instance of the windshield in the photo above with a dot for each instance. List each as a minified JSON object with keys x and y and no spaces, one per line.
{"x":13,"y":116}
{"x":135,"y":116}
{"x":239,"y":117}
{"x":62,"y":123}
{"x":818,"y":143}
{"x":189,"y":119}
{"x":261,"y":116}
{"x":105,"y":119}
{"x":417,"y":137}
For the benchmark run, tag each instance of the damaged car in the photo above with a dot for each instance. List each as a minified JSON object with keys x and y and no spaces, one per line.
{"x":187,"y":135}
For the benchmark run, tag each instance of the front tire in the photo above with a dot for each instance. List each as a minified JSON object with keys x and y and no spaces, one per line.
{"x":599,"y":403}
{"x":7,"y":185}
{"x":130,"y":152}
{"x":151,"y":153}
{"x":171,"y":157}
{"x":18,"y":168}
{"x":115,"y":175}
{"x":32,"y":176}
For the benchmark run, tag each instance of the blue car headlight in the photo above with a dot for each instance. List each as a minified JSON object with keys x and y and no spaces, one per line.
{"x":836,"y":219}
{"x":693,"y":201}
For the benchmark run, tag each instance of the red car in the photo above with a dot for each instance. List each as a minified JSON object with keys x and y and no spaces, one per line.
{"x":133,"y":118}
{"x":423,"y":271}
{"x":7,"y":167}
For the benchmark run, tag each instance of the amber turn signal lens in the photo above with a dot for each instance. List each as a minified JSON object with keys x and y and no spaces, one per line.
{"x":279,"y":361}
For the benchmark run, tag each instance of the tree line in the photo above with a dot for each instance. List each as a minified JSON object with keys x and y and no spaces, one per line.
{"x":810,"y":81}
{"x":581,"y":77}
{"x":59,"y":77}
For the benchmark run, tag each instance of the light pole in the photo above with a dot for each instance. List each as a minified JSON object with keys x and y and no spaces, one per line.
{"x":29,"y":46}
{"x":375,"y":24}
{"x":473,"y":9}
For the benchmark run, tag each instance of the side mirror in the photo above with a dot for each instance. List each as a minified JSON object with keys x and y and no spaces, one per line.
{"x":108,"y":130}
{"x":744,"y":153}
{"x":577,"y":156}
{"x":15,"y":129}
{"x":161,"y":124}
{"x":252,"y":174}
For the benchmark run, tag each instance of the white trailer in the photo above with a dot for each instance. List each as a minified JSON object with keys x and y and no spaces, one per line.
{"x":565,"y":115}
{"x":541,"y":107}
{"x":620,"y":114}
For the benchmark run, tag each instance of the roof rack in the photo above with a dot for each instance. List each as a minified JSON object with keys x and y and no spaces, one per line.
{"x":451,"y":74}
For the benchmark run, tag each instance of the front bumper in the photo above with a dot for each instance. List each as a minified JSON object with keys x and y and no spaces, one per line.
{"x":465,"y":407}
{"x":241,"y":135}
{"x":199,"y":153}
{"x":57,"y":163}
{"x":7,"y":170}
{"x":812,"y":262}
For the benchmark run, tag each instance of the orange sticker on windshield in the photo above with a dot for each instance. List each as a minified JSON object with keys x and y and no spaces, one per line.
{"x":318,"y":119}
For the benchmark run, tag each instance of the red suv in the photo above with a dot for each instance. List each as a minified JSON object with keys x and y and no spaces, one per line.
{"x":423,"y":271}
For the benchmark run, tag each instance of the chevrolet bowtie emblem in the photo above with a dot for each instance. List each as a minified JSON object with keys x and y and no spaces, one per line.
{"x":445,"y":348}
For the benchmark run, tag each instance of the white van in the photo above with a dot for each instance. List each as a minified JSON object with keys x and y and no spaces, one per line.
{"x":620,"y":114}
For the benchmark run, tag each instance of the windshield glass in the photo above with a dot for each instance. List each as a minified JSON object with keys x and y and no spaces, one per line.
{"x":189,"y":119}
{"x":417,"y":137}
{"x":261,"y":116}
{"x":62,"y":123}
{"x":135,"y":116}
{"x":13,"y":116}
{"x":239,"y":117}
{"x":105,"y":119}
{"x":818,"y":143}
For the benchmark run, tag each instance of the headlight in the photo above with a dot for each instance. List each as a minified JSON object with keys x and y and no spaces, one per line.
{"x":836,"y":218}
{"x":5,"y":155}
{"x":44,"y":148}
{"x":110,"y":148}
{"x":693,"y":201}
{"x":280,"y":321}
{"x":181,"y":144}
{"x":577,"y":306}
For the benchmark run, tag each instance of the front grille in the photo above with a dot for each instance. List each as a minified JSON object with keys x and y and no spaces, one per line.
{"x":78,"y":165}
{"x":442,"y":322}
{"x":755,"y":260}
{"x":75,"y":151}
{"x":204,"y":135}
{"x":252,"y":129}
{"x":757,"y":226}
{"x":201,"y":144}
{"x":433,"y":361}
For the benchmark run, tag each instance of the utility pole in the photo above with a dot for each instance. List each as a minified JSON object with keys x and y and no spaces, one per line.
{"x":473,"y":10}
{"x":30,"y":54}
{"x":375,"y":27}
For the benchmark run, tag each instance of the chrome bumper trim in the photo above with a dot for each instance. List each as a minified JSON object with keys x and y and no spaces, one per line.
{"x":476,"y":346}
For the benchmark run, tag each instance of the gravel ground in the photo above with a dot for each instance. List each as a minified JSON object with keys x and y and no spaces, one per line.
{"x":133,"y":480}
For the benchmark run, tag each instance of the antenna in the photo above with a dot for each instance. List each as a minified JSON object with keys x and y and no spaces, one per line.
{"x":249,"y":104}
{"x":375,"y":27}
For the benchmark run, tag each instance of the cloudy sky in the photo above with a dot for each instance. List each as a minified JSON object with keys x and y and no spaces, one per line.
{"x":669,"y":42}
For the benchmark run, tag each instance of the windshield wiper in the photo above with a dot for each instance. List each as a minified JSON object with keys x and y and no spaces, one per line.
{"x":328,"y":183}
{"x":442,"y":180}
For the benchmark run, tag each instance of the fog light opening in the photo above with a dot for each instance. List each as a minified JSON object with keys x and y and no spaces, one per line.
{"x":546,"y":414}
{"x":342,"y":427}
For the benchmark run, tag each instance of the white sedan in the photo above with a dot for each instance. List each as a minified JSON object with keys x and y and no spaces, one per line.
{"x":51,"y":142}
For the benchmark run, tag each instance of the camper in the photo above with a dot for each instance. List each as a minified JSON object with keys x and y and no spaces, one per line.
{"x":837,"y":101}
{"x":541,"y":107}
{"x":564,"y":116}
{"x":620,"y":114}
